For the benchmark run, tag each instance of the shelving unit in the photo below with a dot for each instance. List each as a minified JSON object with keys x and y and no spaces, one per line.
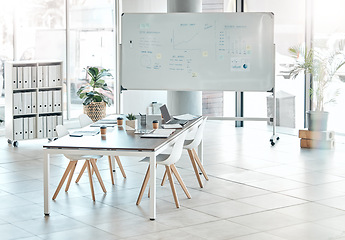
{"x":33,"y":99}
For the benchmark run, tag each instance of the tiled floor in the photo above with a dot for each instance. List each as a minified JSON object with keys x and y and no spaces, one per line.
{"x":255,"y":192}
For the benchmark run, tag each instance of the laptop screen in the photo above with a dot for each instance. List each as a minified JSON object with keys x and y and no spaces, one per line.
{"x":165,"y":114}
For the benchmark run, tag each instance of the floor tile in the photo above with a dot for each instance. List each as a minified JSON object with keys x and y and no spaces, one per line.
{"x":306,"y":231}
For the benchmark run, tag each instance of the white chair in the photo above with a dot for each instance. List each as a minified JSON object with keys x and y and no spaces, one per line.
{"x":168,"y":160}
{"x":89,"y":159}
{"x":84,"y":121}
{"x":190,"y":146}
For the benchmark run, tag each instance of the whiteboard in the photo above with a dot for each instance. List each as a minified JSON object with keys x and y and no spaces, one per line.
{"x":197,"y":51}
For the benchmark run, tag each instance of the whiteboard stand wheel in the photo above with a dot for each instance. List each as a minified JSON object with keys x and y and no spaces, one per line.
{"x":9,"y":141}
{"x":15,"y":143}
{"x":274,"y":139}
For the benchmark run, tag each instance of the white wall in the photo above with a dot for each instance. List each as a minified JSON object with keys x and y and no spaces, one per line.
{"x":137,"y":101}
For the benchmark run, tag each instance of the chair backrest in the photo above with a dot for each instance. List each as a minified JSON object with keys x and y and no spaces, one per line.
{"x":84,"y":120}
{"x":61,"y":130}
{"x":176,"y":150}
{"x":198,"y":135}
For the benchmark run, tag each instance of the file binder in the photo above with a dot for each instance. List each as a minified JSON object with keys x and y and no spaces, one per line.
{"x":45,"y":77}
{"x":40,"y":76}
{"x":52,"y":76}
{"x":23,"y":99}
{"x":14,"y":78}
{"x":40,"y":127}
{"x":32,"y":130}
{"x":55,"y":120}
{"x":25,"y":128}
{"x":18,"y":128}
{"x":33,"y":77}
{"x":26,"y":77}
{"x":28,"y":102}
{"x":33,"y":102}
{"x":58,"y":75}
{"x":50,"y":126}
{"x":44,"y":126}
{"x":59,"y":120}
{"x":44,"y":101}
{"x":39,"y":102}
{"x":17,"y":109}
{"x":50,"y":101}
{"x":19,"y":77}
{"x":57,"y":101}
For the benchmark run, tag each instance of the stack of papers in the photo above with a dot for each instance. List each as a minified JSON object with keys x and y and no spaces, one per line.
{"x":171,"y":126}
{"x":85,"y":132}
{"x":159,"y":133}
{"x":186,"y":117}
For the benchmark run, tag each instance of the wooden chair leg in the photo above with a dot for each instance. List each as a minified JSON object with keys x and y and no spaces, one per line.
{"x":120,"y":166}
{"x":179,"y":179}
{"x":95,"y":168}
{"x":92,"y":170}
{"x":90,"y":179}
{"x":164,"y":177}
{"x":191,"y":156}
{"x":64,"y":176}
{"x":197,"y":160}
{"x":172,"y":186}
{"x":111,"y":170}
{"x":81,"y":172}
{"x":146,"y":179}
{"x":71,"y":175}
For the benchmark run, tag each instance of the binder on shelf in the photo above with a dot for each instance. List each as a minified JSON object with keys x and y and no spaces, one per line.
{"x":18,"y":129}
{"x":40,"y":102}
{"x":23,"y":99}
{"x":39,"y":76}
{"x":59,"y":120}
{"x":33,"y":77}
{"x":14,"y":78}
{"x":19,"y":77}
{"x":28,"y":102}
{"x":50,"y":126}
{"x":25,"y":128}
{"x":50,"y":101}
{"x":40,"y":127}
{"x":32,"y":130}
{"x":55,"y":120}
{"x":58,"y":75}
{"x":52,"y":76}
{"x":44,"y":101}
{"x":17,"y":102}
{"x":45,"y":77}
{"x":26,"y":77}
{"x":57,"y":101}
{"x":33,"y":102}
{"x":44,"y":126}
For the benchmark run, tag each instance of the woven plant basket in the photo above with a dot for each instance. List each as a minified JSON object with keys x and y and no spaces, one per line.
{"x":95,"y":110}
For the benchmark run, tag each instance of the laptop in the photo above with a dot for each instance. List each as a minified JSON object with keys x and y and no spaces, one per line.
{"x":168,"y":119}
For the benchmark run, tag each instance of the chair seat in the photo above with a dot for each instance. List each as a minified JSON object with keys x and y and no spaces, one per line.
{"x":186,"y":144}
{"x":159,"y":159}
{"x":80,"y":157}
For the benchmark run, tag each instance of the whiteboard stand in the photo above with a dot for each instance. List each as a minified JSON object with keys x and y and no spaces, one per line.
{"x":275,"y":137}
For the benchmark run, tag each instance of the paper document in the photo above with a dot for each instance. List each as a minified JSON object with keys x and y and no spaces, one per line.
{"x":159,"y":133}
{"x":85,"y":132}
{"x":186,"y":117}
{"x":142,"y":131}
{"x":171,"y":126}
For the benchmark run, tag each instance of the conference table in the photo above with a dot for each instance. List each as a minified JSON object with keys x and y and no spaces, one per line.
{"x":117,"y":142}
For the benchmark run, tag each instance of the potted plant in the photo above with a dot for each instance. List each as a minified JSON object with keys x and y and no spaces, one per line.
{"x":322,"y":65}
{"x":131,"y":121}
{"x":92,"y":93}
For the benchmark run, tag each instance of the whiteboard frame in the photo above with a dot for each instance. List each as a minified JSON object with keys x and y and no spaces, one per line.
{"x":131,"y":84}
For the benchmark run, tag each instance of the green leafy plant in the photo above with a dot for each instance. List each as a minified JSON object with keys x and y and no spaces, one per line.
{"x":92,"y":91}
{"x":322,"y":65}
{"x":131,"y":116}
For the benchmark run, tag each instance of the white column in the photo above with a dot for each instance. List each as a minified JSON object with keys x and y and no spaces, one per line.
{"x":180,"y":102}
